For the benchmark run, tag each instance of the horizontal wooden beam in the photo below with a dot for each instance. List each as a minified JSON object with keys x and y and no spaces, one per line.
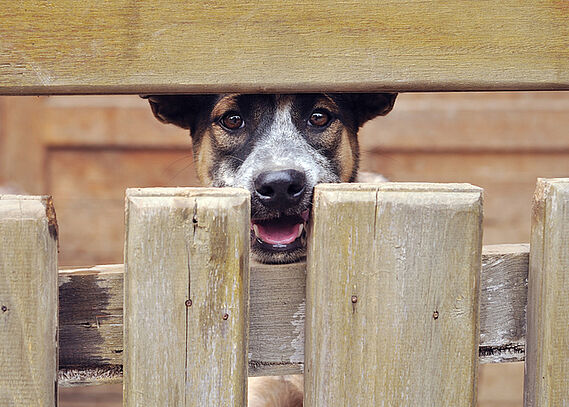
{"x":120,"y":46}
{"x":91,"y":329}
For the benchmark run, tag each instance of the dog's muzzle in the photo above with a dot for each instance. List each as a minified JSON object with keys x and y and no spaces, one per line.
{"x":280,"y":190}
{"x":281,"y":193}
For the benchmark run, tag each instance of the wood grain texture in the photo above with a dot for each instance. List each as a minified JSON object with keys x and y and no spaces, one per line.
{"x":503,"y":300}
{"x":547,"y":362}
{"x":28,"y":302}
{"x":393,"y":279}
{"x":179,"y":46}
{"x":186,"y":297}
{"x":91,"y":326}
{"x":276,"y":319}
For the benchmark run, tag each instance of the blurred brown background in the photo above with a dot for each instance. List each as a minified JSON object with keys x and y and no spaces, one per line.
{"x":86,"y":150}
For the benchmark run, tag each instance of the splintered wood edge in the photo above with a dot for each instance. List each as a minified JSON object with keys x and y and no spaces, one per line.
{"x":502,"y":315}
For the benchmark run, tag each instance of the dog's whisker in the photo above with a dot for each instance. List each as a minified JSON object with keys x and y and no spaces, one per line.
{"x":236,"y":158}
{"x":177,"y":173}
{"x":177,"y":160}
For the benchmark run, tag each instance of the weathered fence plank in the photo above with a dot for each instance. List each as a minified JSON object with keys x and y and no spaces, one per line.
{"x":186,"y":297}
{"x":118,"y":46}
{"x":28,"y":301}
{"x":392,"y":294}
{"x":91,"y":327}
{"x":547,"y":360}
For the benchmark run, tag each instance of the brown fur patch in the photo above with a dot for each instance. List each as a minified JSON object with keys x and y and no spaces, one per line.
{"x":204,"y":157}
{"x":340,"y":140}
{"x":346,"y":156}
{"x":226,"y":103}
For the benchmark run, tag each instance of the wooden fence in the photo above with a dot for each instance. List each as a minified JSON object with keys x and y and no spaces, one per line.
{"x":393,"y":305}
{"x":397,"y":303}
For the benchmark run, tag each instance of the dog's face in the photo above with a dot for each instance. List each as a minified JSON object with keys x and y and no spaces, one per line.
{"x":278,"y":147}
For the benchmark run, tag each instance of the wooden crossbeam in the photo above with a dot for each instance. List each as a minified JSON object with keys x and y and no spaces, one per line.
{"x":120,"y":46}
{"x":91,"y":327}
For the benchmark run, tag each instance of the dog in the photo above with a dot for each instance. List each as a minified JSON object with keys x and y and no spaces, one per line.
{"x":278,"y":147}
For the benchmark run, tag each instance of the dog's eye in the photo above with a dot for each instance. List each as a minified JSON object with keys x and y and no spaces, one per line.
{"x":232,"y":121}
{"x":319,"y":118}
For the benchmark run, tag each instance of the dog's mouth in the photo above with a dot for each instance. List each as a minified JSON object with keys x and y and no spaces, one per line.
{"x":281,"y":234}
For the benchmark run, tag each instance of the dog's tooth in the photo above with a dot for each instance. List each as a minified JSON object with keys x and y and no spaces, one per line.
{"x":300,"y":229}
{"x":256,"y":230}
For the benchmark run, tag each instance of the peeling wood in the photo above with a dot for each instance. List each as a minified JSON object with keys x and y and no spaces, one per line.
{"x":503,"y":303}
{"x":87,"y":376}
{"x":52,"y":220}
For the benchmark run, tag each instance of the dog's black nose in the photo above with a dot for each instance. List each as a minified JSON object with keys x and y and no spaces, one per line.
{"x":280,"y":189}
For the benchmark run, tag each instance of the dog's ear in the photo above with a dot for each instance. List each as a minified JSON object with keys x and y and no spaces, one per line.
{"x":366,"y":106}
{"x":181,"y":110}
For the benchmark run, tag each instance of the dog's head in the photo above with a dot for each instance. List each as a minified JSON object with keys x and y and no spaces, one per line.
{"x":278,"y":147}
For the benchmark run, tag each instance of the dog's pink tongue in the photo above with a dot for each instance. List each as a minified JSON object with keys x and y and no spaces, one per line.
{"x":278,"y":232}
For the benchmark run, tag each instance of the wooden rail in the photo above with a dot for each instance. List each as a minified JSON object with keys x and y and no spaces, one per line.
{"x":91,"y":325}
{"x":120,"y":46}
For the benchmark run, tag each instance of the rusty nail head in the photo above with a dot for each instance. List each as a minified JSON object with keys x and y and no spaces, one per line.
{"x":4,"y":308}
{"x":225,"y":316}
{"x":188,"y":303}
{"x":354,"y":299}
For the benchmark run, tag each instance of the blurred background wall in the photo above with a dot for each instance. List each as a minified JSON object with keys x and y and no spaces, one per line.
{"x":86,"y":150}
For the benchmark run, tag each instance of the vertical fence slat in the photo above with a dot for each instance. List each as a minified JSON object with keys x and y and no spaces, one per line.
{"x":392,"y":295}
{"x":186,"y":297}
{"x":28,"y":302}
{"x":547,"y":338}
